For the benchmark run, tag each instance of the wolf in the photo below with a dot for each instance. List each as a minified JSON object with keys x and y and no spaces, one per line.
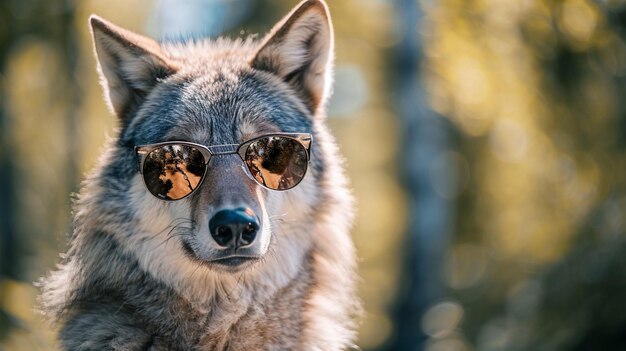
{"x":212,"y":254}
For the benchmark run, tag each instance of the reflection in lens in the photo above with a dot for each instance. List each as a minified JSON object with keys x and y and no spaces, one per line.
{"x":279,"y":163}
{"x":173,"y":171}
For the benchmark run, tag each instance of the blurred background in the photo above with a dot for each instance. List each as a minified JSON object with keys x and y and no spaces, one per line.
{"x":485,"y":140}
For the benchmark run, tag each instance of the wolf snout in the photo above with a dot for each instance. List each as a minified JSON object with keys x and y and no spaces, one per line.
{"x":234,"y":228}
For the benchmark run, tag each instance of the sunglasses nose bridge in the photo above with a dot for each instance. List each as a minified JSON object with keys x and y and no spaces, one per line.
{"x":219,"y":151}
{"x":225,"y":149}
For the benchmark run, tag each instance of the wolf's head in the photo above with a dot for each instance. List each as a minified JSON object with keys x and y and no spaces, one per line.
{"x":213,"y":93}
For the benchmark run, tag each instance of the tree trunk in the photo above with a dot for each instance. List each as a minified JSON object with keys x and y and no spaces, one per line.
{"x":425,"y":139}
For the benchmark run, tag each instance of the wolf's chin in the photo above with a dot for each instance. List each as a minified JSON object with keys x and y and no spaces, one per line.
{"x":228,"y":263}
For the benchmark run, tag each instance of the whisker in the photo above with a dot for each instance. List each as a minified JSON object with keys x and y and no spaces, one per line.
{"x":178,"y":227}
{"x":174,"y":223}
{"x":283,"y":220}
{"x":277,"y":215}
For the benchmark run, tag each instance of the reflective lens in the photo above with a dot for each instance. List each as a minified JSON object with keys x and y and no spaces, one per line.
{"x":276,"y":162}
{"x":173,"y":171}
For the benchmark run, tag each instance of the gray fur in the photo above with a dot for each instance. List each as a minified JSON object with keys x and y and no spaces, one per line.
{"x":126,"y":283}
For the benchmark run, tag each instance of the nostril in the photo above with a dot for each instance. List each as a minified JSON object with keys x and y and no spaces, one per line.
{"x":221,"y":230}
{"x":223,"y":235}
{"x":249,"y":233}
{"x":250,"y":227}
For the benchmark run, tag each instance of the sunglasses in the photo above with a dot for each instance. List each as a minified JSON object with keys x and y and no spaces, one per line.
{"x":175,"y":169}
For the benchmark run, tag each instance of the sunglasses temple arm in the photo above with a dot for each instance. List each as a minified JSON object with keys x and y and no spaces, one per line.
{"x":139,"y":156}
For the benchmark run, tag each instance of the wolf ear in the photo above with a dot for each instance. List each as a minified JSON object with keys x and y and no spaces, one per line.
{"x":129,"y":64}
{"x":299,"y":50}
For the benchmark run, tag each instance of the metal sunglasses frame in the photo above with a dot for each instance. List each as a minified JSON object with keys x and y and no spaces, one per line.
{"x":142,"y":152}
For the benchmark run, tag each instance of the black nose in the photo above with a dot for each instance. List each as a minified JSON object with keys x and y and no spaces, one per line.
{"x":234,"y":228}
